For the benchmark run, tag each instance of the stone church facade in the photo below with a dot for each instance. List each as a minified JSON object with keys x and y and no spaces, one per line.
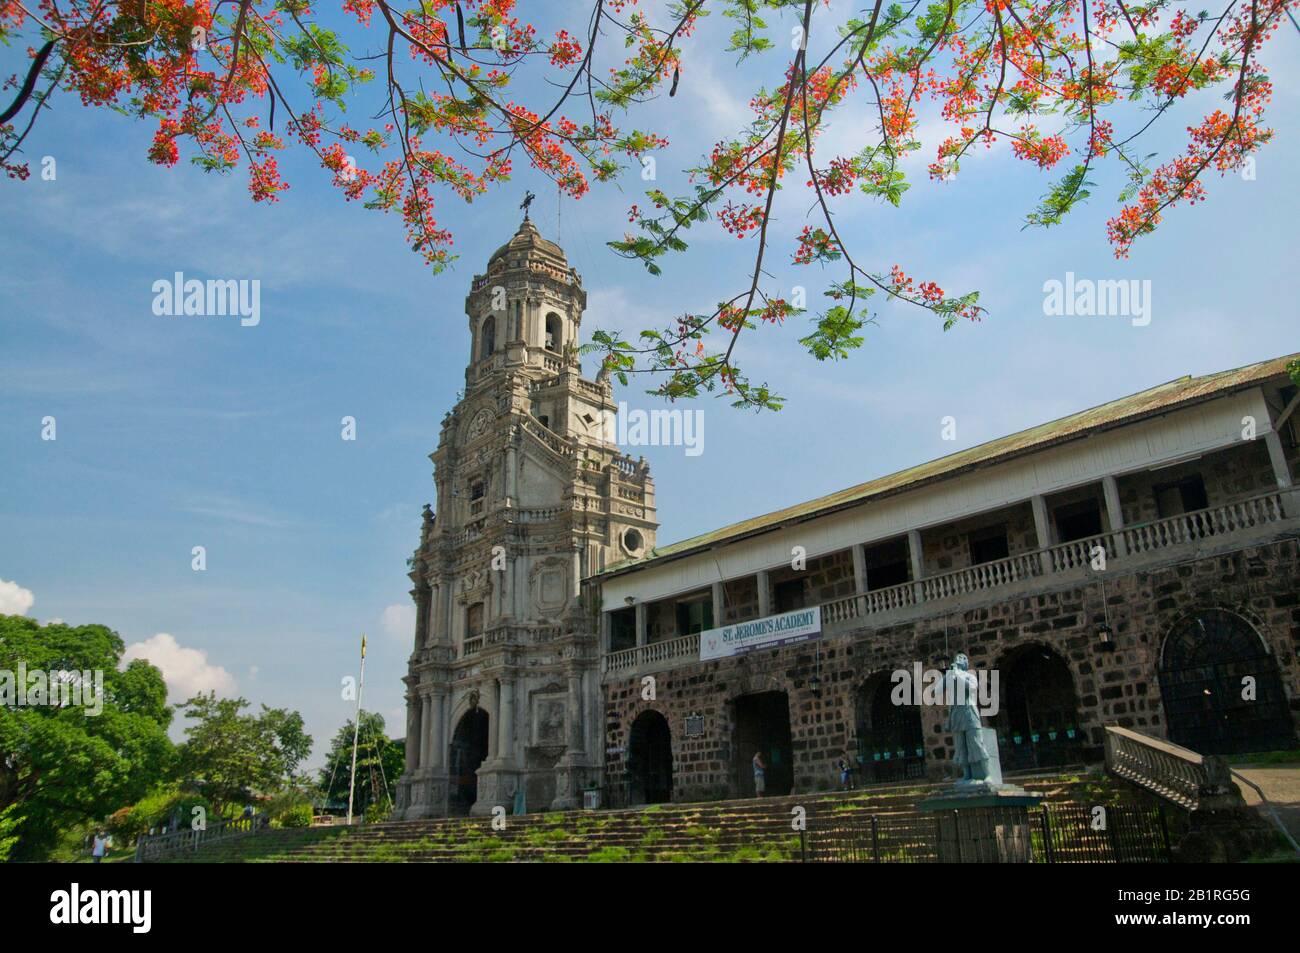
{"x":503,"y":684}
{"x":1135,"y":564}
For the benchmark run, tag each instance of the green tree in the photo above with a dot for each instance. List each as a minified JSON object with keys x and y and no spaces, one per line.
{"x":380,"y":761}
{"x":229,"y":755}
{"x":63,"y":764}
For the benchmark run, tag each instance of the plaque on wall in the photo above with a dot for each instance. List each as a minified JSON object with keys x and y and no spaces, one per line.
{"x":549,"y":717}
{"x":694,"y":726}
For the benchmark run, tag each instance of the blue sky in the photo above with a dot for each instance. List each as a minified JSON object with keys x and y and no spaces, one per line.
{"x":175,"y":432}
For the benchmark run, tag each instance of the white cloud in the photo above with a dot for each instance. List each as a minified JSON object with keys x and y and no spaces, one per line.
{"x":186,"y":671}
{"x":14,"y":599}
{"x":398,"y":621}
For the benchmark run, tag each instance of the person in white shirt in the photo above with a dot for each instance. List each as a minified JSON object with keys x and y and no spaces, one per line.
{"x":99,"y":846}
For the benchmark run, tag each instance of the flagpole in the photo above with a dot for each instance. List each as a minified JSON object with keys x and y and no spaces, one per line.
{"x":356,"y":728}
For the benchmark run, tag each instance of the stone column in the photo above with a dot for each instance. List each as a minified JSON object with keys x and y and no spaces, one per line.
{"x":576,"y":745}
{"x":534,"y":340}
{"x":506,"y":725}
{"x":413,"y":732}
{"x":421,"y":596}
{"x":1043,"y":527}
{"x":517,"y":587}
{"x":918,"y":562}
{"x":438,"y":733}
{"x":507,"y":577}
{"x":493,"y":748}
{"x":512,"y":489}
{"x":426,"y":731}
{"x":640,"y":623}
{"x":764,"y":581}
{"x":433,"y":616}
{"x":444,"y":612}
{"x":719,"y":600}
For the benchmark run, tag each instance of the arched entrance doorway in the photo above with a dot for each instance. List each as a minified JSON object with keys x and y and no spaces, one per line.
{"x":650,"y":759}
{"x":890,"y":744}
{"x":1204,"y":666}
{"x":1038,"y":724}
{"x":763,"y":724}
{"x":469,"y":746}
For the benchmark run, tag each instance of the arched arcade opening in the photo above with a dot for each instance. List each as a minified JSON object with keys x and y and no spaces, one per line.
{"x":891,"y":744}
{"x":469,"y":748}
{"x":650,"y":759}
{"x":1038,"y":720}
{"x":1221,"y":687}
{"x":762,"y":723}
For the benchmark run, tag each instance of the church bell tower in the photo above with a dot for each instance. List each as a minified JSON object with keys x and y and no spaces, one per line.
{"x":503,"y":688}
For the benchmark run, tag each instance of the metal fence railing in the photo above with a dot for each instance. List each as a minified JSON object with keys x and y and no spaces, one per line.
{"x":1058,"y":834}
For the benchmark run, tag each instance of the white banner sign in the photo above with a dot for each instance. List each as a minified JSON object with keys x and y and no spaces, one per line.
{"x":764,"y":633}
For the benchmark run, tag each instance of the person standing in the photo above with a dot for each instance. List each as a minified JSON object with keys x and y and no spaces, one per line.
{"x":846,"y":774}
{"x":99,"y":847}
{"x":760,"y":775}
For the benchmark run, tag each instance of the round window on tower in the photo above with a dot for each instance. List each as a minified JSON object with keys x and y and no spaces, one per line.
{"x":633,"y":541}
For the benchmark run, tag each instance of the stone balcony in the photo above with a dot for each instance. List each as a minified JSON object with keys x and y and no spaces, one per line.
{"x":1223,"y":528}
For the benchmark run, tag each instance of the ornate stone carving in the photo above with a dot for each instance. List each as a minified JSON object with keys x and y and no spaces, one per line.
{"x":548,"y":583}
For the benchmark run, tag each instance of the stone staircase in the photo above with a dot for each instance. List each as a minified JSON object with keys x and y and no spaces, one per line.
{"x":743,"y":830}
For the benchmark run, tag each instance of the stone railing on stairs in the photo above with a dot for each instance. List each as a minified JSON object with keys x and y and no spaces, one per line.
{"x":161,"y":846}
{"x":1179,"y":775}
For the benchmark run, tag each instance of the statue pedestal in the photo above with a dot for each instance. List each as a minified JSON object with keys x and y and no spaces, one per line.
{"x":985,"y":821}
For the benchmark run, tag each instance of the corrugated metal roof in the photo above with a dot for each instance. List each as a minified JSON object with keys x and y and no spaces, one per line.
{"x":1177,"y":393}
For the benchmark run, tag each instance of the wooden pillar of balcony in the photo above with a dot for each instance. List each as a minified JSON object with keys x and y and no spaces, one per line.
{"x":1282,"y":473}
{"x":859,"y":576}
{"x":764,"y":581}
{"x":719,"y":601}
{"x":1043,"y":529}
{"x":1114,"y":512}
{"x":640,"y":624}
{"x":918,"y":562}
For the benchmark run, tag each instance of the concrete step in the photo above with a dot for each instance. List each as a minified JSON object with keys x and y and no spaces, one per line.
{"x":742,"y":830}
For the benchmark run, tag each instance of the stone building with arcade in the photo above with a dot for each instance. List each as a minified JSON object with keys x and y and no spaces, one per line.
{"x":1135,"y":564}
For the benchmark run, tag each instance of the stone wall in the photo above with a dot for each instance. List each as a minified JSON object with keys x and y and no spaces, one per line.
{"x":1260,"y":583}
{"x":947,"y":547}
{"x":739,"y":600}
{"x":1229,"y":474}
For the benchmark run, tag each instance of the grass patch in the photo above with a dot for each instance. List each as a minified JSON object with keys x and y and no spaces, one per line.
{"x":1288,"y":756}
{"x":610,"y":855}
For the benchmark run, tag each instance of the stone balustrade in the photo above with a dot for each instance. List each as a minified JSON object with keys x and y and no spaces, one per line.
{"x":1177,"y":774}
{"x":1143,"y":544}
{"x":159,"y":846}
{"x":662,"y":654}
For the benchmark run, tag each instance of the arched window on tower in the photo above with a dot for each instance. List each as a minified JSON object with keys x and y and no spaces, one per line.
{"x":487,"y":338}
{"x":554,"y":332}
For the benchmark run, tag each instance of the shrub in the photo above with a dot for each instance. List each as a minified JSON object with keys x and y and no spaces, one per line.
{"x":299,"y":815}
{"x":167,"y":806}
{"x":378,"y":811}
{"x":291,"y":808}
